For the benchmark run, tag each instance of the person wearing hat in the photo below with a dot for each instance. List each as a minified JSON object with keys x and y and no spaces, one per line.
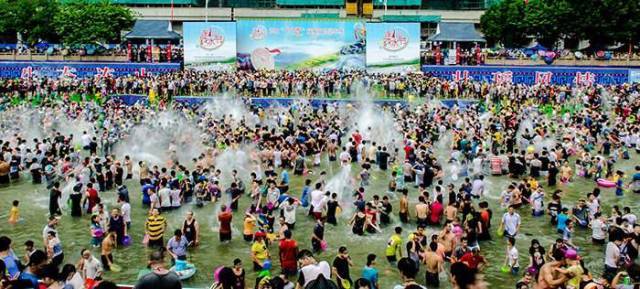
{"x":574,"y":270}
{"x":259,"y":251}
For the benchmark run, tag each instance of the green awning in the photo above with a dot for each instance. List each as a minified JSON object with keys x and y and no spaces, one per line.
{"x":411,"y":18}
{"x":390,"y":3}
{"x":310,"y":2}
{"x":320,"y":15}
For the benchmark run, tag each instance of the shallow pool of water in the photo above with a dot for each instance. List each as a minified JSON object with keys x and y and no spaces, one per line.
{"x":74,"y":233}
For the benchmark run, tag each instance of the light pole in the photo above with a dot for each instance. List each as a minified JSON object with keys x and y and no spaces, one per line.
{"x":385,"y":7}
{"x":206,"y":10}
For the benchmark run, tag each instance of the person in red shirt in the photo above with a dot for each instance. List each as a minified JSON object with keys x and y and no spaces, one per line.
{"x":357,"y":137}
{"x":91,"y":197}
{"x":474,"y":260}
{"x":436,"y":211}
{"x":408,"y":150}
{"x":288,"y":253}
{"x":224,"y":217}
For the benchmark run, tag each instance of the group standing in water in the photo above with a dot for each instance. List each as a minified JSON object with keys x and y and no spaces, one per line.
{"x":508,"y":135}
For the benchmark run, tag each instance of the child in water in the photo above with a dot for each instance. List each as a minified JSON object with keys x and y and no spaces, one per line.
{"x":14,"y":213}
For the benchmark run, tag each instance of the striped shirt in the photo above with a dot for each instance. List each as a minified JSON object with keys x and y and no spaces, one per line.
{"x":156,"y":226}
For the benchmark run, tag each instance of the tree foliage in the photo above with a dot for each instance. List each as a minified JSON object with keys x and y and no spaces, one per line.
{"x":33,"y":19}
{"x":73,"y":22}
{"x":81,"y":22}
{"x":602,"y":22}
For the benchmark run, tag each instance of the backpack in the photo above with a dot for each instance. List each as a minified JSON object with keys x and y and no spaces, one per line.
{"x":321,"y":283}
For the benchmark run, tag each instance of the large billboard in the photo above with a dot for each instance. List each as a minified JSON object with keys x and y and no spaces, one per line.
{"x":393,"y":47}
{"x":210,"y":45}
{"x":301,"y":44}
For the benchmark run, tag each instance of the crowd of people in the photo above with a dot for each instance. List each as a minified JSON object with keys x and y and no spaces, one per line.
{"x":510,"y":137}
{"x":279,"y":83}
{"x":134,"y":52}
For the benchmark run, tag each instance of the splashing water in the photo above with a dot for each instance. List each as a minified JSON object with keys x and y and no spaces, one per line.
{"x":164,"y":139}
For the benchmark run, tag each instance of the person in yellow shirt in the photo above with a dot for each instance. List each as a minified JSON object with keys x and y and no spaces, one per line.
{"x":14,"y":213}
{"x":155,"y":227}
{"x":533,"y":183}
{"x":394,"y":246}
{"x":574,"y":270}
{"x":259,"y":251}
{"x":249,"y":226}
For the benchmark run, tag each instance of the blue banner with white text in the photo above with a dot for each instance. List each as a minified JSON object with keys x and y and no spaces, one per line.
{"x":24,"y":69}
{"x":531,"y":75}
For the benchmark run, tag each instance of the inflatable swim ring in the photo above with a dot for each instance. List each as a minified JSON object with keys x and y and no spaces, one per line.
{"x":605,"y":183}
{"x":184,"y":269}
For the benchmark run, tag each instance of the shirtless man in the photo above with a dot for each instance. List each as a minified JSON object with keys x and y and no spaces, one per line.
{"x":434,"y":265}
{"x":451,"y":212}
{"x":422,"y":211}
{"x":549,"y":277}
{"x":108,"y":244}
{"x":404,"y":207}
{"x":448,"y":240}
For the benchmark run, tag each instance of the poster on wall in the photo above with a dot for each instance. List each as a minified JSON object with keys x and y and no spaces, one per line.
{"x":301,"y":44}
{"x":210,"y":45}
{"x":393,"y":47}
{"x":450,"y":58}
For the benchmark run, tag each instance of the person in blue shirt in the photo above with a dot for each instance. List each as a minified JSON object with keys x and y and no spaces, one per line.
{"x":146,"y":200}
{"x":304,"y":199}
{"x":369,"y":272}
{"x":285,"y":177}
{"x":620,"y":184}
{"x":635,"y":180}
{"x":562,"y":220}
{"x":37,"y":261}
{"x":11,"y":262}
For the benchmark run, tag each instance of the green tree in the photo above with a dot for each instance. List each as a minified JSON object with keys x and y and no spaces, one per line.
{"x":82,"y":22}
{"x":33,"y":19}
{"x":545,"y":20}
{"x":602,"y":22}
{"x":505,"y":23}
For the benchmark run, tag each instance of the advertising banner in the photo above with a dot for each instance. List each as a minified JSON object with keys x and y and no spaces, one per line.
{"x":210,"y":45}
{"x":28,"y":69}
{"x":530,"y":75}
{"x":393,"y":47}
{"x":301,"y":44}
